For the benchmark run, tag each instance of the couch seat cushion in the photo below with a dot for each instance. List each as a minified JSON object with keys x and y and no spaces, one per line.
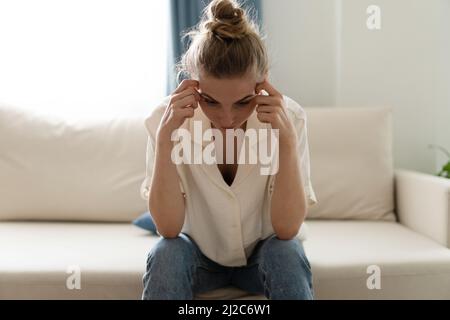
{"x":412,"y":266}
{"x":36,"y":257}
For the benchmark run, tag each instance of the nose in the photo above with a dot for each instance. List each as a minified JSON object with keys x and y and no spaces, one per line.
{"x":227,"y":121}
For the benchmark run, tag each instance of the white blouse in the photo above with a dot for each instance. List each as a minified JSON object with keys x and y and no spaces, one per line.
{"x":226,"y":221}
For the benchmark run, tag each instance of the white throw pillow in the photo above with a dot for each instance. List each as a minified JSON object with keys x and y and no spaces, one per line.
{"x":60,"y":169}
{"x":351,"y":162}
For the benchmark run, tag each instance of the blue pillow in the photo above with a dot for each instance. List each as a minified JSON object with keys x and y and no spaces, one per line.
{"x":145,"y":221}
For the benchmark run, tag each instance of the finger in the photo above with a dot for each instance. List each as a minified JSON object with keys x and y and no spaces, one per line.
{"x":186,"y":102}
{"x":267,"y":87}
{"x":265,"y":109}
{"x":265,"y":117}
{"x":267,"y":100}
{"x":188,"y":92}
{"x":185,"y":84}
{"x":185,"y":112}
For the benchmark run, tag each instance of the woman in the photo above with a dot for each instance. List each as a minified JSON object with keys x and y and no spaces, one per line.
{"x":226,"y":223}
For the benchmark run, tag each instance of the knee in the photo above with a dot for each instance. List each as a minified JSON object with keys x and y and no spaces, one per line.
{"x":286,"y":270}
{"x":281,"y":255}
{"x":170,"y":269}
{"x":174,"y":253}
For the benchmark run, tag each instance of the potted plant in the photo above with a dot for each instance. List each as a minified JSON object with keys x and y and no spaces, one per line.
{"x":445,"y":171}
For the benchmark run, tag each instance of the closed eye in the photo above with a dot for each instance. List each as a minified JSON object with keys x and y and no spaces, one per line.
{"x":215,"y":103}
{"x":210,"y":102}
{"x":243,"y":104}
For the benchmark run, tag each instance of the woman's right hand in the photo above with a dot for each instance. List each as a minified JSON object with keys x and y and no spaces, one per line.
{"x":182,"y":104}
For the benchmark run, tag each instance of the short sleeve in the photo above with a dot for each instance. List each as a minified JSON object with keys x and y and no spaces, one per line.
{"x":151,"y":125}
{"x":149,"y":161}
{"x":299,"y":119}
{"x":304,"y":158}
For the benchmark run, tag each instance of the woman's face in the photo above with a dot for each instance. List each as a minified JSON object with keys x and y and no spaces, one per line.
{"x":227,"y":102}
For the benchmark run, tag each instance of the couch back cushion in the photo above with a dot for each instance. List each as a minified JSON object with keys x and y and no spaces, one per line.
{"x":81,"y":170}
{"x":91,"y":170}
{"x":351,"y":162}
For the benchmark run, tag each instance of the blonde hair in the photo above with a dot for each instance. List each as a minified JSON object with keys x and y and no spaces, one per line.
{"x":226,"y":43}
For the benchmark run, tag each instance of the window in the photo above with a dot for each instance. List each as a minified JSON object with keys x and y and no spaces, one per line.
{"x":83,"y":57}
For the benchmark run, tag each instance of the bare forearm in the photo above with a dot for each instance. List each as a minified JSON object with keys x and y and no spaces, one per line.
{"x":166,"y":202}
{"x":288,"y":209}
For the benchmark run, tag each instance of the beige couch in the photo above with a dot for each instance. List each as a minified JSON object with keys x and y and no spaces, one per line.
{"x":69,"y":189}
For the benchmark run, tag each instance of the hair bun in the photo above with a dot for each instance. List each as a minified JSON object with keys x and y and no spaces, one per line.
{"x":226,"y":20}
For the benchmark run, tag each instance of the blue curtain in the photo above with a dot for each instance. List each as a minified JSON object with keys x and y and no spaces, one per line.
{"x":185,"y":14}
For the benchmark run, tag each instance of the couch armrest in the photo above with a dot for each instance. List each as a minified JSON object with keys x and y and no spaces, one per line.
{"x":423,"y":204}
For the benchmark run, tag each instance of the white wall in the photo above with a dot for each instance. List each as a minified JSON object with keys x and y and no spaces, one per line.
{"x":325,"y":55}
{"x":443,"y":83}
{"x":302,"y":48}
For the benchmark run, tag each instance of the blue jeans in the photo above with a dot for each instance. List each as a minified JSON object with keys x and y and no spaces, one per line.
{"x":177,"y":270}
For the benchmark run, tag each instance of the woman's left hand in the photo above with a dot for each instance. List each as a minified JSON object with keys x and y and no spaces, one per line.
{"x":272,"y":109}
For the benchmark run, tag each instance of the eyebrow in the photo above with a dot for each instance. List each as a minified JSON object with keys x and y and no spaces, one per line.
{"x":211,"y":98}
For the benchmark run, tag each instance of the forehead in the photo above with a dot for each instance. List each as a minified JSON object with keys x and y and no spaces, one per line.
{"x":227,"y":89}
